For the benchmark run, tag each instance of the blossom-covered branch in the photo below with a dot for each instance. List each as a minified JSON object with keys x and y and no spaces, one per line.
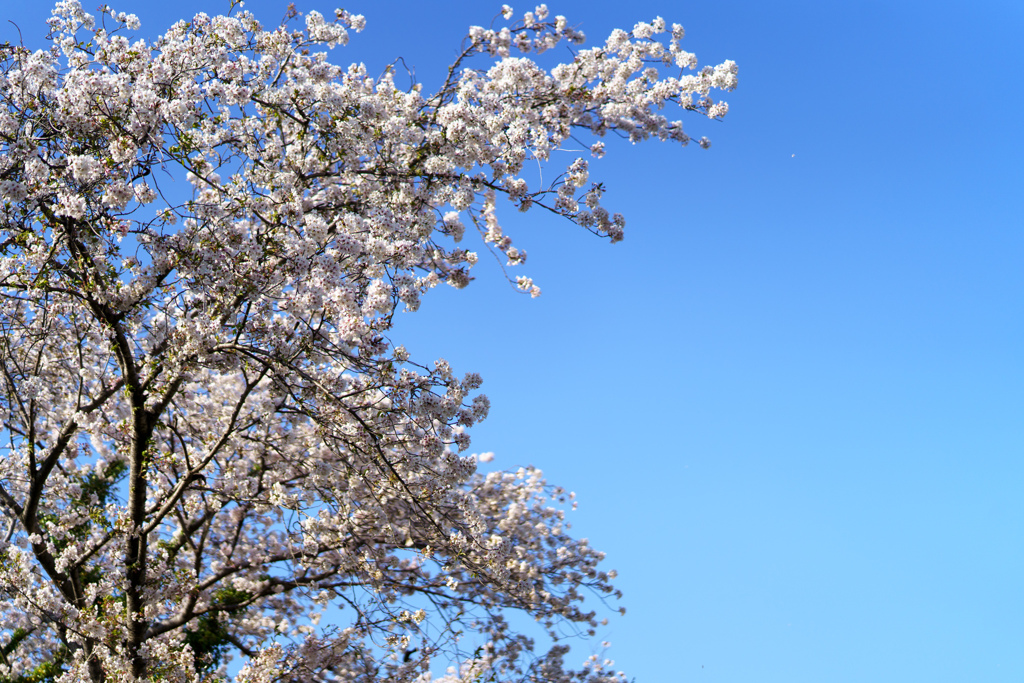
{"x":210,"y":434}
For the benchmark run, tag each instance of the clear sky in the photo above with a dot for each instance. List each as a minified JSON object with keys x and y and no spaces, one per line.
{"x":791,"y":402}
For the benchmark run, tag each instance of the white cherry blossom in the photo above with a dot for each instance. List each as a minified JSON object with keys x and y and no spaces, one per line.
{"x":211,"y":435}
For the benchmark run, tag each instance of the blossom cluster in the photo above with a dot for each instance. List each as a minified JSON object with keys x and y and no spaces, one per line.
{"x":211,"y":434}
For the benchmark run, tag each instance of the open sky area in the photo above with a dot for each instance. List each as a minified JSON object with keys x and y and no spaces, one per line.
{"x":791,"y":401}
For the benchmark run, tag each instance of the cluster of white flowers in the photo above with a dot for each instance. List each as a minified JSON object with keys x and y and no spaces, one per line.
{"x":209,"y":429}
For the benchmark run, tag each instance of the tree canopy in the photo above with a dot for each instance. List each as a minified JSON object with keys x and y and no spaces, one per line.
{"x":210,"y":435}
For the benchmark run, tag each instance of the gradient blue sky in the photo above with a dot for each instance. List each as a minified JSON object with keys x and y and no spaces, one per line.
{"x":791,"y":402}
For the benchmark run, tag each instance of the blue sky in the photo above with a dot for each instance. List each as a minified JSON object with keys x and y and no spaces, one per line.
{"x":791,"y":402}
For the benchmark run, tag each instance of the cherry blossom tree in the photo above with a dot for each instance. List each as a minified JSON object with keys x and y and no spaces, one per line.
{"x":210,"y":437}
